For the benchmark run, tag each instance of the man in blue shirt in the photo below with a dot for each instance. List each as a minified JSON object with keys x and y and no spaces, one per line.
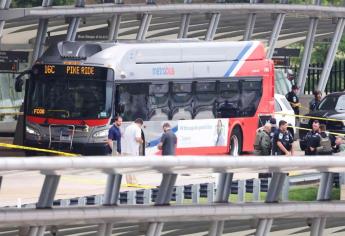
{"x":115,"y":135}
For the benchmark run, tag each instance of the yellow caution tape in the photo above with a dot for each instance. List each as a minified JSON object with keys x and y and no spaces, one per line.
{"x":7,"y":145}
{"x":309,"y":117}
{"x":334,"y":133}
{"x":138,"y":186}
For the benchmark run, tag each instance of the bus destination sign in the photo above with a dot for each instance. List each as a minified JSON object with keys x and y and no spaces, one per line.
{"x":71,"y":71}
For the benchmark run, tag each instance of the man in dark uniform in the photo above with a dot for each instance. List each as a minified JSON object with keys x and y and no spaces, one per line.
{"x":115,"y":135}
{"x":312,"y":139}
{"x":293,"y":99}
{"x":282,"y":140}
{"x":168,"y":141}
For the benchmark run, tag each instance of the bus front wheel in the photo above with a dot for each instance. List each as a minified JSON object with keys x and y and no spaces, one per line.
{"x":236,"y":141}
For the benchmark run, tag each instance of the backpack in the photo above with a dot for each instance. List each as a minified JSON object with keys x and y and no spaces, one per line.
{"x":325,"y":146}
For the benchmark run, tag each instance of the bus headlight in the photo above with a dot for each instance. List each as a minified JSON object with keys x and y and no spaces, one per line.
{"x":304,"y":121}
{"x":32,"y":131}
{"x":101,"y":134}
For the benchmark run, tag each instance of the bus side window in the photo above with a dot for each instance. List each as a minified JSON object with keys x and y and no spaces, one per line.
{"x":228,"y":101}
{"x":133,"y":98}
{"x":204,"y":100}
{"x":181,"y":101}
{"x":251,"y":92}
{"x":158,"y":103}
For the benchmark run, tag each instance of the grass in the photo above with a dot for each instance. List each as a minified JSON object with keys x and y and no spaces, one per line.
{"x":296,"y":193}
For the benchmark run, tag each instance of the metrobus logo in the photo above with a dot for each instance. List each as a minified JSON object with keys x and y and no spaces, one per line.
{"x":163,"y":70}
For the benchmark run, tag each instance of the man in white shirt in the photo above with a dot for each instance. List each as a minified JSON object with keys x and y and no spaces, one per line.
{"x":132,"y":138}
{"x":132,"y":141}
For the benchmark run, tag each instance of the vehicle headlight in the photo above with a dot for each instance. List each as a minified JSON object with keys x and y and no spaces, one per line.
{"x":100,"y":134}
{"x":32,"y":131}
{"x":304,"y":121}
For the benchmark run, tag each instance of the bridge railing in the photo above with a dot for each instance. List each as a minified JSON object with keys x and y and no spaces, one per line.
{"x":161,"y":211}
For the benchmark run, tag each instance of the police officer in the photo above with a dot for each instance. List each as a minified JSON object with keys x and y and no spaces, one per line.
{"x":282,"y":140}
{"x":312,"y":139}
{"x":262,"y":145}
{"x":325,"y":147}
{"x":316,"y":100}
{"x":293,"y":99}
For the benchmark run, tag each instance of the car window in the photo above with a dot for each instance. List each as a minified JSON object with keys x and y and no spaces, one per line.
{"x":328,"y":103}
{"x":277,"y":107}
{"x":341,"y":103}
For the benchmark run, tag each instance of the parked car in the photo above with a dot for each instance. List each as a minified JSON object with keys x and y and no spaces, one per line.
{"x":283,"y":111}
{"x":332,"y":107}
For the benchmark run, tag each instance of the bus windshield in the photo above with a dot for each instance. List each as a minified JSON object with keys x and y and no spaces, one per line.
{"x":70,"y":98}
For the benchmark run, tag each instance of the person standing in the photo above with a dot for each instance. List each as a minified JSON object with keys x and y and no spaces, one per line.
{"x":262,"y":145}
{"x":293,"y":99}
{"x":282,"y":140}
{"x":115,"y":135}
{"x":315,"y":101}
{"x":168,"y":141}
{"x":132,"y":140}
{"x":312,"y":139}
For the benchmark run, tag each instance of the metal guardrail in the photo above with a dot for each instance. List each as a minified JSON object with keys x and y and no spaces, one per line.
{"x":161,"y":212}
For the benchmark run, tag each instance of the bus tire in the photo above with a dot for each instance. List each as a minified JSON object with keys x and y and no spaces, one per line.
{"x":236,"y":141}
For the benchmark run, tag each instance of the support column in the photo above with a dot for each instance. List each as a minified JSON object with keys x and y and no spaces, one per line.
{"x":250,"y":24}
{"x":45,"y":200}
{"x":212,"y":27}
{"x":41,"y":34}
{"x":308,"y":48}
{"x":324,"y":194}
{"x":222,"y":196}
{"x":274,"y":190}
{"x":164,"y":195}
{"x":144,"y":26}
{"x":114,"y":27}
{"x":74,"y":23}
{"x":4,"y":4}
{"x":115,"y":24}
{"x":275,"y":32}
{"x":331,"y":54}
{"x":185,"y":21}
{"x":111,"y":197}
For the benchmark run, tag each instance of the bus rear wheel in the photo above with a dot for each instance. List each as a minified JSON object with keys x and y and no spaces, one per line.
{"x":236,"y":141}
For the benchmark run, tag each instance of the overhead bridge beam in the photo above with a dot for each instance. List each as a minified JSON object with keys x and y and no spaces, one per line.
{"x":171,"y":9}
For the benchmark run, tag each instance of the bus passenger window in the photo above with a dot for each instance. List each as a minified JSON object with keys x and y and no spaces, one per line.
{"x":250,"y":97}
{"x":228,"y":100}
{"x":158,"y":105}
{"x":133,"y":97}
{"x":204,"y":100}
{"x":181,"y":102}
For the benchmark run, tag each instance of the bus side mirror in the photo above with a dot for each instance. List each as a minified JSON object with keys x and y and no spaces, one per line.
{"x":18,"y":85}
